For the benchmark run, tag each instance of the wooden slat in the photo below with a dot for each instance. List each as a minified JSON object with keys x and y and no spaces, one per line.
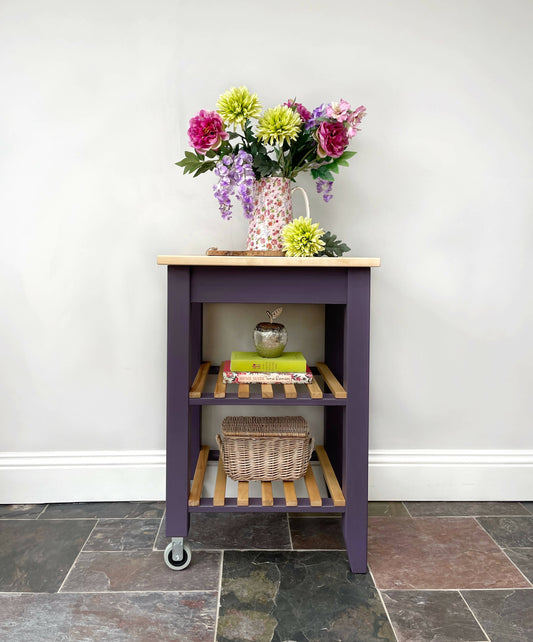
{"x":266,"y":391}
{"x":199,"y":381}
{"x":290,"y":391}
{"x":198,"y":480}
{"x":312,"y":488}
{"x":266,"y":493}
{"x":242,"y":494}
{"x":331,"y":479}
{"x":290,"y":493}
{"x":220,"y":485}
{"x":220,"y":387}
{"x":314,"y":390}
{"x":244,"y":390}
{"x":332,"y":382}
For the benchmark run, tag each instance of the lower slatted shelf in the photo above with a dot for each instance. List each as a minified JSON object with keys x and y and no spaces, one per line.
{"x":267,"y":390}
{"x":333,"y":502}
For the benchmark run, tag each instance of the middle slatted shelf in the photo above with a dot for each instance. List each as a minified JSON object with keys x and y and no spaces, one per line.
{"x":332,"y":389}
{"x":202,"y":498}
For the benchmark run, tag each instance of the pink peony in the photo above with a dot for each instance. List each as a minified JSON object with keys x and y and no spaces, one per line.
{"x":355,"y":119}
{"x":206,"y":131}
{"x":332,"y":139}
{"x":304,"y":113}
{"x":339,"y":111}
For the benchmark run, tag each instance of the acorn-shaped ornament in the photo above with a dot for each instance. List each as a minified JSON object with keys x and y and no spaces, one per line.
{"x":270,"y":338}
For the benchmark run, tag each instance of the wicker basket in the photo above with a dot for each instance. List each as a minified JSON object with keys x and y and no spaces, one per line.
{"x":265,"y":448}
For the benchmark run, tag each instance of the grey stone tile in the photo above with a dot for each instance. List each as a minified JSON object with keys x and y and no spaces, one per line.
{"x":509,"y":532}
{"x":505,"y":615}
{"x":141,"y":571}
{"x":431,"y":616}
{"x":300,"y":596}
{"x":240,"y":531}
{"x":317,"y":533}
{"x":387,"y":509}
{"x":123,"y":535}
{"x":464,"y":509}
{"x":108,"y":617}
{"x":104,"y":510}
{"x":523,"y":558}
{"x":21,"y":511}
{"x":36,"y":556}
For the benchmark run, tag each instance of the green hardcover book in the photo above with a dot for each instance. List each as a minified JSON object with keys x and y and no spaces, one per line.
{"x":252,"y":362}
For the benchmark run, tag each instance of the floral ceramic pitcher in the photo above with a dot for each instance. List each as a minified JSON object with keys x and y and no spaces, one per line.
{"x":272,"y":211}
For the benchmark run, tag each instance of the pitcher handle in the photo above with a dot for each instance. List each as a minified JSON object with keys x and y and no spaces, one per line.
{"x":304,"y":193}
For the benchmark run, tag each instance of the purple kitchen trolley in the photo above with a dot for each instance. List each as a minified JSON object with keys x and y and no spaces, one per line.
{"x":342,"y":285}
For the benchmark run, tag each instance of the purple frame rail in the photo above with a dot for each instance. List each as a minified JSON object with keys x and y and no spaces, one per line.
{"x":345,"y":292}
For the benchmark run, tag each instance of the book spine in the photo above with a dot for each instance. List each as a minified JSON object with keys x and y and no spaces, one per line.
{"x":267,"y":377}
{"x":272,"y":365}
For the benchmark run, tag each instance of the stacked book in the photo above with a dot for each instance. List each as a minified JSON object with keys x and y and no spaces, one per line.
{"x":249,"y":367}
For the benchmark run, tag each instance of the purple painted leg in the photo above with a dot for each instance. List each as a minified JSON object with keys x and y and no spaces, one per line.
{"x":177,"y":467}
{"x":355,"y":424}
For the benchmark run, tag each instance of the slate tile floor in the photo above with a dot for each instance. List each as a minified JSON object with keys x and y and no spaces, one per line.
{"x":439,"y":571}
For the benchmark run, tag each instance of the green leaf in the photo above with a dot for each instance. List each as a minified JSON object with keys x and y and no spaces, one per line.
{"x":332,"y":246}
{"x":194,"y":164}
{"x":324,"y":173}
{"x":206,"y":167}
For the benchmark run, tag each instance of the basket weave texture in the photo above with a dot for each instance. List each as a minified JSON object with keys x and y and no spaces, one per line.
{"x":265,"y":448}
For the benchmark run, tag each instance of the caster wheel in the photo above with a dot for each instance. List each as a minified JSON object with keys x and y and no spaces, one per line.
{"x":178,"y":566}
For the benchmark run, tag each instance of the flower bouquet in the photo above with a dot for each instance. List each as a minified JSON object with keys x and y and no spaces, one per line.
{"x":283,"y":142}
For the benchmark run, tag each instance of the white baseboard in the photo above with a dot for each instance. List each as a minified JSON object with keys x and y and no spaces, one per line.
{"x":50,"y":477}
{"x":415,"y":475}
{"x":453,"y":475}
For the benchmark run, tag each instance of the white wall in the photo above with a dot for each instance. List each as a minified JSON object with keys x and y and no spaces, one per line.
{"x":94,"y":107}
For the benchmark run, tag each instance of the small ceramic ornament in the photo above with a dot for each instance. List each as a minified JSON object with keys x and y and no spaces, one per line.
{"x":270,"y":338}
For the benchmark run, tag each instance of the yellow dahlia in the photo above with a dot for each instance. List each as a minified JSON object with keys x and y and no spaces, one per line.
{"x":279,"y":124}
{"x":302,"y":237}
{"x":237,"y":104}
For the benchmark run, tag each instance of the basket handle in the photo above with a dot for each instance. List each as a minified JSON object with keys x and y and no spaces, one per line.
{"x":304,"y":194}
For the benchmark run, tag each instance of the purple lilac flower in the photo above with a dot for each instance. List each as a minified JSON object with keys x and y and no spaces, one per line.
{"x":318,"y":113}
{"x":324,"y":187}
{"x":236,"y":178}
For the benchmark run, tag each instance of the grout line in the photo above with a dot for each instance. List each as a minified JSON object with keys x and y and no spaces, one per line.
{"x":77,"y":557}
{"x":447,"y":590}
{"x":290,"y":534}
{"x":40,"y":514}
{"x":526,"y":508}
{"x":121,"y":592}
{"x":383,"y":603}
{"x":408,"y":511}
{"x":219,"y":593}
{"x":473,"y":615}
{"x":162,"y":519}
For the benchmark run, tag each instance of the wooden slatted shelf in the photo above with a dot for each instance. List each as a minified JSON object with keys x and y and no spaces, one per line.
{"x":199,"y":381}
{"x":335,"y":500}
{"x":199,"y":474}
{"x":276,"y":392}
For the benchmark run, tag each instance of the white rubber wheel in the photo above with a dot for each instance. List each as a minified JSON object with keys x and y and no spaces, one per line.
{"x":178,"y":566}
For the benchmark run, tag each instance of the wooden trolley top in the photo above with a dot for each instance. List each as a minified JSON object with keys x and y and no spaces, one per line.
{"x":269,"y":261}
